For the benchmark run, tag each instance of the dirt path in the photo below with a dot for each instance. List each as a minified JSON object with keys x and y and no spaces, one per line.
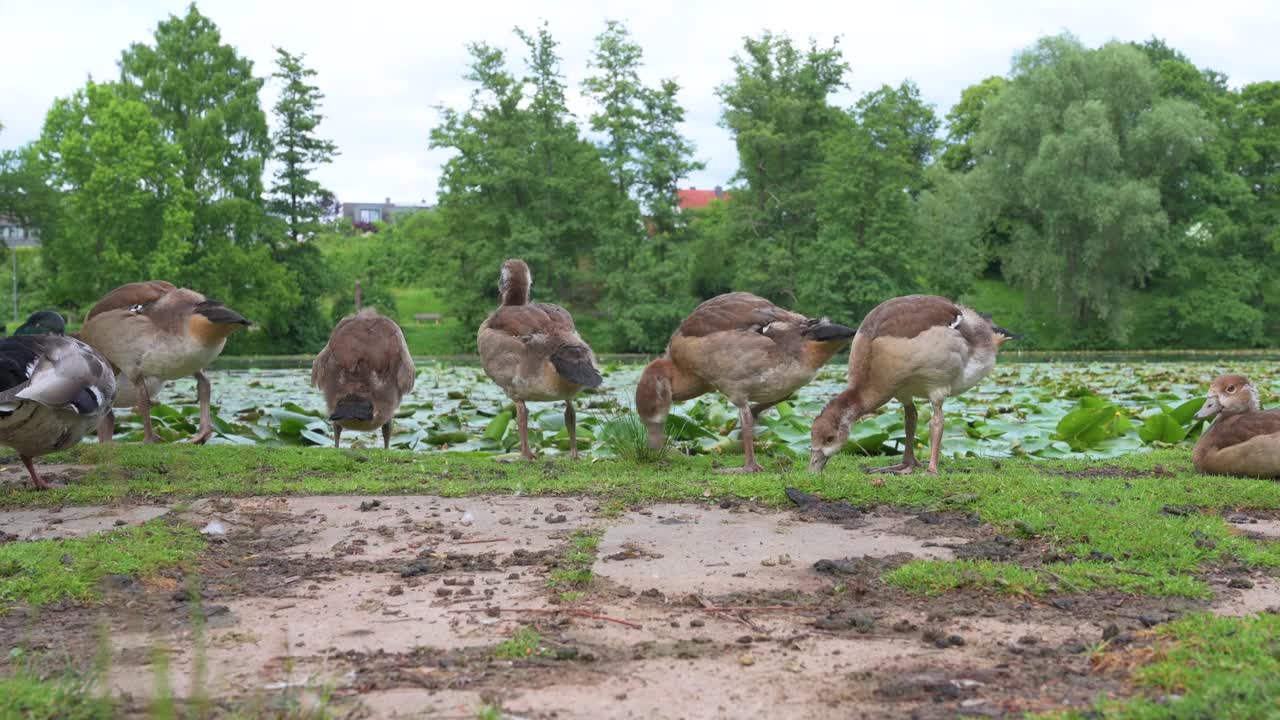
{"x":395,"y":606}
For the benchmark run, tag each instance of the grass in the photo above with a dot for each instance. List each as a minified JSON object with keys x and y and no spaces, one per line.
{"x":67,"y":697}
{"x":46,"y":571}
{"x":1201,"y":666}
{"x":526,"y":642}
{"x":626,"y":436}
{"x":573,"y":573}
{"x":426,"y":338}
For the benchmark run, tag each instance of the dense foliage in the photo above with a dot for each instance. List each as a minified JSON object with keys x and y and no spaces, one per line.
{"x":1106,"y":197}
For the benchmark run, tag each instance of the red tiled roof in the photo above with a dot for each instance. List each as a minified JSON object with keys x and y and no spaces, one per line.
{"x":695,"y":198}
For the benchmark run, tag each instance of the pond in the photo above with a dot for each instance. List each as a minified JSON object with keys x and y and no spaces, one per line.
{"x":1031,"y":404}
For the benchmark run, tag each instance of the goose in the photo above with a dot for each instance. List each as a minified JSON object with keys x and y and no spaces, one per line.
{"x":534,"y":353}
{"x":52,"y":390}
{"x":915,"y":346}
{"x":364,"y":371}
{"x":153,"y":331}
{"x":744,"y":347}
{"x":1244,"y":439}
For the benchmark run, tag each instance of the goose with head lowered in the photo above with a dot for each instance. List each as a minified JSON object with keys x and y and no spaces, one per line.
{"x":364,"y":371}
{"x":1244,"y":439}
{"x":153,"y":332}
{"x":53,"y":389}
{"x":915,"y":346}
{"x":534,"y":353}
{"x":753,"y":352}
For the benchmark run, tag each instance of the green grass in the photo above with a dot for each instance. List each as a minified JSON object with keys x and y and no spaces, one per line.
{"x":1067,"y":505}
{"x":1201,"y":666}
{"x":524,"y":643}
{"x":46,"y":571}
{"x":28,"y":696}
{"x":425,"y":338}
{"x":574,"y":571}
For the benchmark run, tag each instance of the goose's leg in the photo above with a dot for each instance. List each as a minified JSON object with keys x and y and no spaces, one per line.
{"x":935,"y":435}
{"x":144,"y":409}
{"x":571,"y":422}
{"x":206,"y":416}
{"x":522,"y":419}
{"x":909,"y":463}
{"x":337,"y":435}
{"x":386,"y":436}
{"x":35,"y":476}
{"x":749,"y":464}
{"x":107,"y":427}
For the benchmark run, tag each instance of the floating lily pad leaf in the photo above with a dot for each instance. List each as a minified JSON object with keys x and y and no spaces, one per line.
{"x":497,"y":427}
{"x":1161,"y":427}
{"x":296,"y":408}
{"x":1185,"y":414}
{"x":316,"y":438}
{"x":872,"y":444}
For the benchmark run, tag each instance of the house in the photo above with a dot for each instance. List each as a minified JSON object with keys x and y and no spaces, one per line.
{"x":14,"y":234}
{"x":385,"y":211}
{"x":694,"y":198}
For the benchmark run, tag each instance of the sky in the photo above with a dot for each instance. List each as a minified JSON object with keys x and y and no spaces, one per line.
{"x":385,"y":67}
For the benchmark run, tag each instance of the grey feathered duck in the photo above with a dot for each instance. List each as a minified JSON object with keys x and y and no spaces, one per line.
{"x":53,"y":389}
{"x":534,"y":353}
{"x":364,"y":372}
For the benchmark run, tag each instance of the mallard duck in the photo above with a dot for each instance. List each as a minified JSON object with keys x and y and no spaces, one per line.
{"x":43,"y":322}
{"x":908,"y":347}
{"x":745,"y":347}
{"x":364,"y":371}
{"x":52,"y":390}
{"x":153,"y":331}
{"x":534,"y":353}
{"x":1244,"y":439}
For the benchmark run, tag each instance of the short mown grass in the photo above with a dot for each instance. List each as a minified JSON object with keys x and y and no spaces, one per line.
{"x":65,"y":697}
{"x":41,"y":572}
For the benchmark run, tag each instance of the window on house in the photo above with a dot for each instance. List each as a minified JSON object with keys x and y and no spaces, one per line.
{"x":369,"y":216}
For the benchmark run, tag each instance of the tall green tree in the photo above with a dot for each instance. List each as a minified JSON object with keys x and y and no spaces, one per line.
{"x":205,"y":97}
{"x":777,"y":106}
{"x":296,"y":196}
{"x":873,"y":167}
{"x":522,"y":182}
{"x":646,"y":279}
{"x":1072,"y":154}
{"x":963,"y":122}
{"x":125,"y":213}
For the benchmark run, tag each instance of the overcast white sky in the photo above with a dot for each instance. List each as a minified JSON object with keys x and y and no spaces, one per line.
{"x":385,"y":65}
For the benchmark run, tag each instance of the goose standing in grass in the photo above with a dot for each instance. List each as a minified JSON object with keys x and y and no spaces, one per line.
{"x":1244,"y":439}
{"x":534,"y":353}
{"x":52,"y":390}
{"x":364,"y":371}
{"x":745,"y":347}
{"x":153,"y":332}
{"x":908,"y":347}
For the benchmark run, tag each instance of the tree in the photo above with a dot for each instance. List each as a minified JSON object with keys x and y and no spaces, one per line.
{"x":522,"y":183}
{"x":777,"y":107}
{"x":205,"y":97}
{"x":873,"y":167}
{"x":298,"y":198}
{"x":1072,"y":154}
{"x":646,"y":281}
{"x":125,"y":213}
{"x":964,"y":120}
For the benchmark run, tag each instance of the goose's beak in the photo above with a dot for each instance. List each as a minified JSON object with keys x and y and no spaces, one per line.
{"x":1210,"y":408}
{"x":817,"y":460}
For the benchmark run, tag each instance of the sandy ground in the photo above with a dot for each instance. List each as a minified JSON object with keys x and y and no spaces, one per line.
{"x":394,"y":605}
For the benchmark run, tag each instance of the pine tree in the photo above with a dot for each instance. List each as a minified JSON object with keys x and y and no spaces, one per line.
{"x":295,"y":195}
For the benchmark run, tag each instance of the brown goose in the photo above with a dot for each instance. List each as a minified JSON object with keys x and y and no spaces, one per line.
{"x":907,"y":347}
{"x":745,"y":347}
{"x":152,"y":331}
{"x":1244,"y":439}
{"x":534,"y":353}
{"x":364,"y":371}
{"x":52,"y":390}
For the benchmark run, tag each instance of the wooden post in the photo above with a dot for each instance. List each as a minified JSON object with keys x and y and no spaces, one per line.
{"x":358,"y":294}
